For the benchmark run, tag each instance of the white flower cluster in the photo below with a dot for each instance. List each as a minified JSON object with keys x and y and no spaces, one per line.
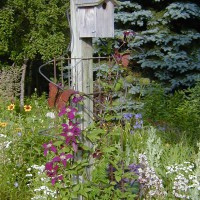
{"x":151,"y":184}
{"x":51,"y":115}
{"x":42,"y":192}
{"x":39,"y":168}
{"x":2,"y":135}
{"x":184,"y":180}
{"x":5,"y":144}
{"x":46,"y":191}
{"x":185,"y":167}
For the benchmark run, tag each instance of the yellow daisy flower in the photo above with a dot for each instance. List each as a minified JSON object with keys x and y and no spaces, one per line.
{"x":27,"y":108}
{"x":3,"y":124}
{"x":11,"y":107}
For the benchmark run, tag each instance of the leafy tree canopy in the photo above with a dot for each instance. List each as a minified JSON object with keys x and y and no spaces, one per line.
{"x":33,"y":27}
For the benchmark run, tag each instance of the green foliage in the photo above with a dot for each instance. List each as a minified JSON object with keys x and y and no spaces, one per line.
{"x":102,"y":170}
{"x":33,"y":28}
{"x":166,"y":111}
{"x":124,"y":88}
{"x":20,"y":145}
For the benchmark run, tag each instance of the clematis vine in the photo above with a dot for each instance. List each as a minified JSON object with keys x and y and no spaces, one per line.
{"x":70,"y":136}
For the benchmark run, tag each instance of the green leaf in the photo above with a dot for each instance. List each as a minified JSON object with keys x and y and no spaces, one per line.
{"x":76,"y":188}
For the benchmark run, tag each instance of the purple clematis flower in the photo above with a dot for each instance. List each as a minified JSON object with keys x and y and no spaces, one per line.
{"x":70,"y":136}
{"x":62,"y":158}
{"x":71,"y":127}
{"x":52,"y":172}
{"x":69,"y":111}
{"x":49,"y":147}
{"x":70,"y":132}
{"x":49,"y":167}
{"x":77,"y":98}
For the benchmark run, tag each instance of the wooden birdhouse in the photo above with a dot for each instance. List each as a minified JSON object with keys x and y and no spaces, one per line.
{"x":95,"y":18}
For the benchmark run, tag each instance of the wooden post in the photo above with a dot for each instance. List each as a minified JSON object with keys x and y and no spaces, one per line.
{"x":81,"y":65}
{"x":81,"y":72}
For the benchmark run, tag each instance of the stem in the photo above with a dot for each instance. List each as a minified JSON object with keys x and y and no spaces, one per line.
{"x":54,"y":64}
{"x":22,"y":83}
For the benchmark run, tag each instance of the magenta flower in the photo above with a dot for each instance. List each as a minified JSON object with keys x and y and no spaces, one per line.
{"x":71,"y":127}
{"x":77,"y":98}
{"x":69,"y":111}
{"x":50,"y":168}
{"x":49,"y":147}
{"x":62,"y":158}
{"x":70,"y":136}
{"x":52,"y":172}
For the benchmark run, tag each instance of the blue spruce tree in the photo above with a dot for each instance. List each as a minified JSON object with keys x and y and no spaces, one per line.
{"x":169,"y":34}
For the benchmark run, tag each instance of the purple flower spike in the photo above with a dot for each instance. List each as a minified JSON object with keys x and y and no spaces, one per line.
{"x":138,"y":116}
{"x":49,"y":147}
{"x":127,"y":116}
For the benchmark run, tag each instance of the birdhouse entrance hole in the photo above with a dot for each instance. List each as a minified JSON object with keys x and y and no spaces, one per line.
{"x":104,"y":5}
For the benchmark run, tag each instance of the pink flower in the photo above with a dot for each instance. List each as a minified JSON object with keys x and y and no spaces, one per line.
{"x":49,"y":147}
